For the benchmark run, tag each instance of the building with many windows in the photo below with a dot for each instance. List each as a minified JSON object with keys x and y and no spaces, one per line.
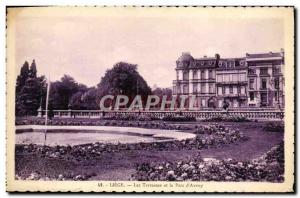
{"x":256,"y":80}
{"x":266,"y":79}
{"x":232,"y":82}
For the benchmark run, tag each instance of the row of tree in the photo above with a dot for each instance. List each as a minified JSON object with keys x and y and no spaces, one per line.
{"x":66,"y":93}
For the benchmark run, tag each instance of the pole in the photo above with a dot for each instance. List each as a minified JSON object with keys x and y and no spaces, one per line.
{"x":46,"y":116}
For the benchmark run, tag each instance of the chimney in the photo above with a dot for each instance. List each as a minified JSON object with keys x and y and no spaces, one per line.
{"x":204,"y":56}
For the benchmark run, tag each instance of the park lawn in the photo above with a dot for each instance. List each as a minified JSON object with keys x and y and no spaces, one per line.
{"x":121,"y":165}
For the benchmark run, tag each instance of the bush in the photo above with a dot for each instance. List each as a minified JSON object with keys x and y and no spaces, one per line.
{"x":274,"y":127}
{"x":128,"y":117}
{"x":178,"y":118}
{"x":227,"y":118}
{"x":269,"y":167}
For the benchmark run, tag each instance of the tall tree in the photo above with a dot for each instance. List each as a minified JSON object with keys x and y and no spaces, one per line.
{"x":22,"y":77}
{"x":62,"y":91}
{"x":33,"y":70}
{"x":160,"y":92}
{"x":29,"y":90}
{"x":123,"y":79}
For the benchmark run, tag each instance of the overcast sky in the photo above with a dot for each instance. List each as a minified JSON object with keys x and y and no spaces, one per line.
{"x":85,"y":47}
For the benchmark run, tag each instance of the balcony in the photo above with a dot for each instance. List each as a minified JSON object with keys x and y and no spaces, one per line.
{"x":252,"y":74}
{"x":238,"y":95}
{"x":277,"y":74}
{"x":264,"y":75}
{"x":263,"y":89}
{"x":180,"y":81}
{"x":203,"y":80}
{"x":232,"y":83}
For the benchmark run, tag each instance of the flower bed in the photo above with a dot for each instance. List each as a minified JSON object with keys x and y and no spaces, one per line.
{"x":129,"y":117}
{"x":178,"y":118}
{"x":269,"y":167}
{"x":212,"y":135}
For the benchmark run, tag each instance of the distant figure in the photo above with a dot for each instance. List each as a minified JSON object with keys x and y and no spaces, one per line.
{"x":225,"y":105}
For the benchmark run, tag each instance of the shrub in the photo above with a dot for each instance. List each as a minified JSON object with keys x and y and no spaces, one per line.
{"x":178,"y":118}
{"x":274,"y":127}
{"x":227,"y":118}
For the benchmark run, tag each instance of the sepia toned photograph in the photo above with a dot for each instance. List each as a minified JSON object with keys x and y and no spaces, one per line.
{"x":150,"y":99}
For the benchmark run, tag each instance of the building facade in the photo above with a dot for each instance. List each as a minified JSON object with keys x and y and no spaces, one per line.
{"x":256,"y":80}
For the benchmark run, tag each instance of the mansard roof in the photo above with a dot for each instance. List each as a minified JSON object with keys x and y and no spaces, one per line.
{"x":265,"y":55}
{"x":231,"y":63}
{"x":185,"y":57}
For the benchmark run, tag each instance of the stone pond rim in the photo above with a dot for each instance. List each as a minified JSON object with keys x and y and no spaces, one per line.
{"x":58,"y":135}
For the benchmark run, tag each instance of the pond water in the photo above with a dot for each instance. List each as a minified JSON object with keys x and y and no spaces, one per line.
{"x":76,"y":135}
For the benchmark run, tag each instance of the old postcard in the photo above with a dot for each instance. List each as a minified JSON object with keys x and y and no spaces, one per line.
{"x":150,"y":99}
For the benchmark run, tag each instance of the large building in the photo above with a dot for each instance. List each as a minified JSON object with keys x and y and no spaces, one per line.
{"x":256,"y":80}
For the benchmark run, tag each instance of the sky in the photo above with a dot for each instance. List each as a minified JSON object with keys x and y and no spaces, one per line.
{"x":85,"y":46}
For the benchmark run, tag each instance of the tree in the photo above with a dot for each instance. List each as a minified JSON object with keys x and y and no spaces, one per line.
{"x":62,"y":91}
{"x":33,"y":70}
{"x":28,"y":99}
{"x":123,"y":79}
{"x":160,"y":92}
{"x":29,"y":90}
{"x":89,"y":99}
{"x":21,"y":79}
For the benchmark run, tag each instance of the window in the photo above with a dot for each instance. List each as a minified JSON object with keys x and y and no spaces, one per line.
{"x":220,"y":90}
{"x":226,"y":77}
{"x":251,"y":83}
{"x":263,"y":83}
{"x":234,"y":77}
{"x":178,"y":90}
{"x":242,"y":77}
{"x":202,"y":74}
{"x":210,"y":74}
{"x":243,"y":90}
{"x":202,"y":88}
{"x":195,"y":90}
{"x":219,"y":78}
{"x":185,"y":75}
{"x":226,"y":90}
{"x":231,"y":89}
{"x":223,"y":90}
{"x":263,"y":71}
{"x":195,"y":74}
{"x":235,"y":90}
{"x":276,"y":96}
{"x":276,"y":70}
{"x":251,"y":96}
{"x":211,"y":88}
{"x":203,"y":103}
{"x":177,"y":75}
{"x":264,"y":99}
{"x":185,"y":89}
{"x":251,"y":71}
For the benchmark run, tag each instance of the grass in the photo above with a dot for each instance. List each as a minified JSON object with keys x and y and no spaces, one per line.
{"x":121,"y":165}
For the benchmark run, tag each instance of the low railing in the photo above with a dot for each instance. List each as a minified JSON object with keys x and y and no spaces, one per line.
{"x":250,"y":114}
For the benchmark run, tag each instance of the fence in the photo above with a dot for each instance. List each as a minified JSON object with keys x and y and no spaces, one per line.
{"x":250,"y":114}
